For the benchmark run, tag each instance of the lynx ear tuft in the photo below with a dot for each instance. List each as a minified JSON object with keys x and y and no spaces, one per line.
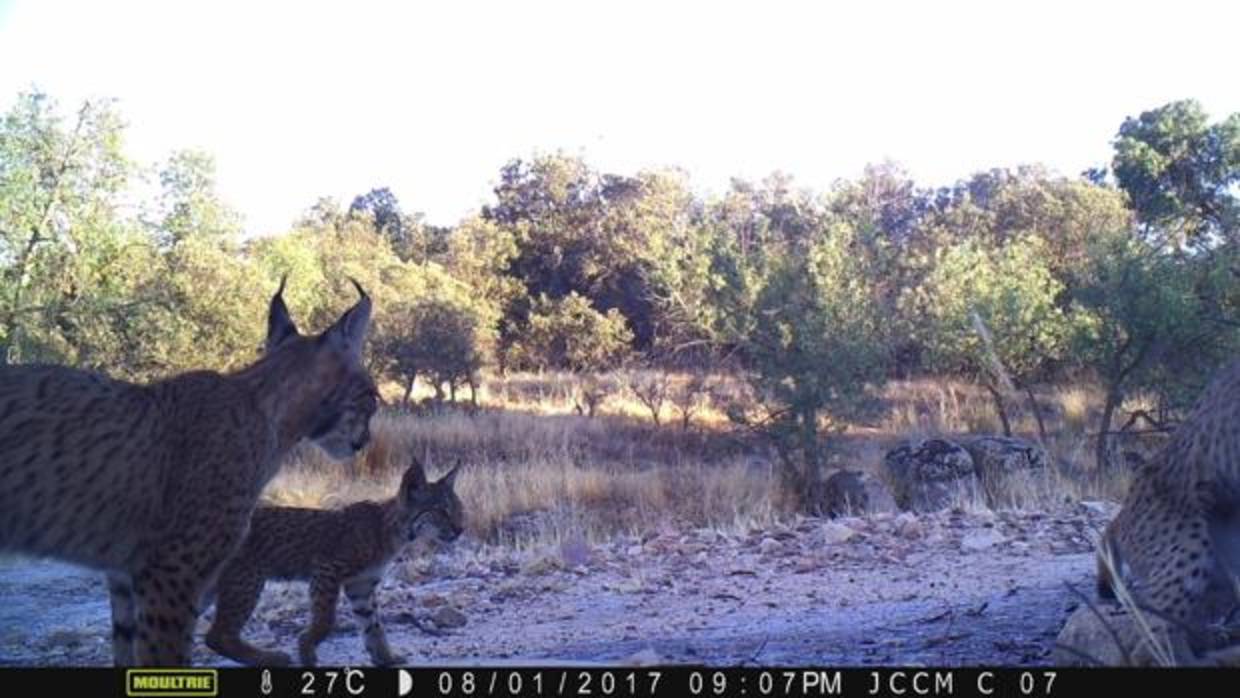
{"x":280,"y":324}
{"x":414,"y":478}
{"x":349,"y":332}
{"x":450,"y":478}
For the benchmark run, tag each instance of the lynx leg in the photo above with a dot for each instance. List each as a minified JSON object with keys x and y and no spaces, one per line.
{"x":324,"y":590}
{"x":361,"y":593}
{"x":168,"y":589}
{"x":164,"y":631}
{"x":236,"y":597}
{"x":120,"y":593}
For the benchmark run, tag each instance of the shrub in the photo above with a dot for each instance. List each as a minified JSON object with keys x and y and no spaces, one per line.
{"x":441,"y":342}
{"x":569,"y":333}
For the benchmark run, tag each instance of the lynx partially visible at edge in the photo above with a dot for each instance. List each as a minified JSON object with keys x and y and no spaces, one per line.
{"x":155,"y":484}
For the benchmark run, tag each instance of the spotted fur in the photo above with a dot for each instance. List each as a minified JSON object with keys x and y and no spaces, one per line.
{"x":154,"y":484}
{"x":1176,"y":541}
{"x":348,"y":549}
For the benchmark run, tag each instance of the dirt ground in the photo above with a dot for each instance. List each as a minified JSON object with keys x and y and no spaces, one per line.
{"x":950,"y":588}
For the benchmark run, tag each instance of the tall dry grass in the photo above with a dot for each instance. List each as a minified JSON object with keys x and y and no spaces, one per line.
{"x":536,"y":470}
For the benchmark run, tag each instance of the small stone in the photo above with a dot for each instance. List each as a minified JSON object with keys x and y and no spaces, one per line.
{"x":981,"y":540}
{"x":627,"y":586}
{"x":575,"y":552}
{"x":907,"y":525}
{"x":646,"y":657}
{"x":833,"y":532}
{"x":691,"y":548}
{"x":769,"y":546}
{"x":66,"y":638}
{"x":448,"y":617}
{"x":542,"y":565}
{"x":1098,"y":508}
{"x":806,"y":564}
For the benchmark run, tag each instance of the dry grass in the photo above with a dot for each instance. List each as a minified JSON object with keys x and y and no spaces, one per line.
{"x":1156,"y":644}
{"x":944,"y":408}
{"x":537,"y":471}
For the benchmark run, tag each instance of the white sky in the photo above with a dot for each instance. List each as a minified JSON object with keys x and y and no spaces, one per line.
{"x":306,"y":99}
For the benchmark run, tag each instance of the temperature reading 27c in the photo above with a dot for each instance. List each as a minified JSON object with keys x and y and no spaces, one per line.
{"x":328,"y":683}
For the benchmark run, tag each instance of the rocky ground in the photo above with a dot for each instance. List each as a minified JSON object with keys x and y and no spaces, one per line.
{"x":948,"y":588}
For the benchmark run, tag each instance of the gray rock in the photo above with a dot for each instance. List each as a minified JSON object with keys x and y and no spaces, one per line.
{"x":770,"y":546}
{"x":930,"y":474}
{"x":1086,"y":641}
{"x":907,"y":525}
{"x":645,"y":657}
{"x":448,"y":617}
{"x":575,"y":551}
{"x":832,"y":532}
{"x":1116,"y":639}
{"x":1006,"y":465}
{"x":981,"y":540}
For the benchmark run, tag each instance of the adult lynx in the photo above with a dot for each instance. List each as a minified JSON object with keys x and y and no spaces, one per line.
{"x":155,"y":483}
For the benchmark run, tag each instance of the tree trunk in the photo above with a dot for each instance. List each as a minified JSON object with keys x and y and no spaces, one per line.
{"x":409,"y":389}
{"x":1037,"y":415}
{"x":809,"y":446}
{"x":1103,"y":455}
{"x":1001,"y":408}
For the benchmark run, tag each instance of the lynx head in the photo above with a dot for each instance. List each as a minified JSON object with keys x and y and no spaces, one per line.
{"x":432,"y":508}
{"x":339,"y":394}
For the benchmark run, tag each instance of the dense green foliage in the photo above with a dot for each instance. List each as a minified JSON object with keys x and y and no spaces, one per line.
{"x":1010,"y":276}
{"x":1181,"y":171}
{"x":569,"y":333}
{"x":438,"y":339}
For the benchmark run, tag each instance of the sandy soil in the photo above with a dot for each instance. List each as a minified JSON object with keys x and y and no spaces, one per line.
{"x":950,"y":588}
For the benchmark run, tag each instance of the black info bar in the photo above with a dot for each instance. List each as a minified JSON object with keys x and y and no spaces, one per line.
{"x":650,"y":682}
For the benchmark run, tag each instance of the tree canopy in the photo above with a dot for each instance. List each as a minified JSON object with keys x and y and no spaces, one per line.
{"x":813,"y":295}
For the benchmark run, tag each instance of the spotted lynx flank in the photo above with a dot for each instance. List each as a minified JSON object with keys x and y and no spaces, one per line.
{"x":1176,"y":541}
{"x":154,"y":484}
{"x":348,"y":549}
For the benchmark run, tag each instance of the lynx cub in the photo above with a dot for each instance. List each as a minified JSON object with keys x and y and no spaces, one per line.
{"x":350,"y":548}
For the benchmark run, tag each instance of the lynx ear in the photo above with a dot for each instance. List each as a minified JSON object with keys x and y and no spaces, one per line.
{"x":414,"y":478}
{"x":349,"y":332}
{"x":450,"y":478}
{"x":279,"y":324}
